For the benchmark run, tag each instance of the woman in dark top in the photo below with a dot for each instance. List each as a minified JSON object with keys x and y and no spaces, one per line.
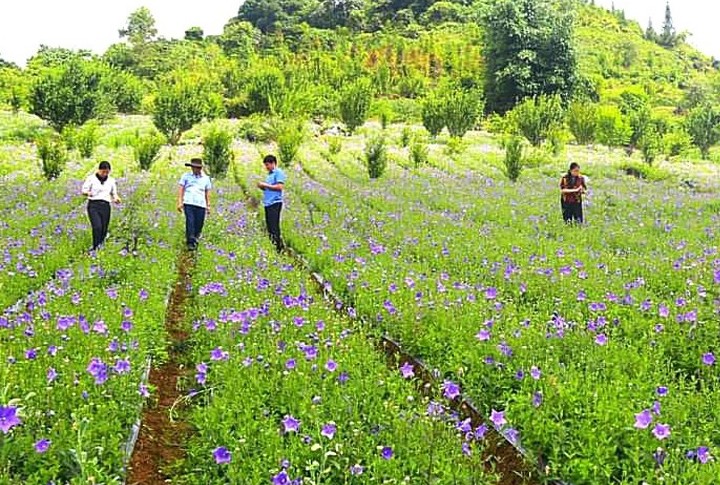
{"x":572,"y":188}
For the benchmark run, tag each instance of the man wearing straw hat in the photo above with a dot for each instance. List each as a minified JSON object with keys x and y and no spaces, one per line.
{"x":194,"y":201}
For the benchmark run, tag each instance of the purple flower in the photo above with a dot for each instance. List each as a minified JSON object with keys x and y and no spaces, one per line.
{"x":42,"y":446}
{"x":112,"y":293}
{"x":466,"y":449}
{"x":480,"y":431}
{"x":281,"y":478}
{"x":51,"y":375}
{"x":483,"y":335}
{"x":356,"y":470}
{"x":491,"y":293}
{"x":708,"y":359}
{"x":290,"y":364}
{"x":143,"y":391}
{"x":331,"y":366}
{"x":407,"y":371}
{"x":8,"y":419}
{"x":535,"y":373}
{"x":291,"y":424}
{"x":601,"y":339}
{"x":656,"y":408}
{"x":143,"y":295}
{"x":512,"y":435}
{"x":661,"y":431}
{"x":222,"y":455}
{"x":122,"y":366}
{"x":343,"y":377}
{"x":329,"y":430}
{"x":498,"y":418}
{"x":643,"y":419}
{"x":537,"y":399}
{"x":660,"y":456}
{"x":703,"y":454}
{"x":451,"y":390}
{"x":662,"y":391}
{"x":219,"y":354}
{"x":386,"y":453}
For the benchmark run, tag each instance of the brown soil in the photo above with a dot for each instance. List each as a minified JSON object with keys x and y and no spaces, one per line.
{"x":161,"y":440}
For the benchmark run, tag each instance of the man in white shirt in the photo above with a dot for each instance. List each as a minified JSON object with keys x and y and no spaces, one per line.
{"x":100,"y":189}
{"x":194,"y":200}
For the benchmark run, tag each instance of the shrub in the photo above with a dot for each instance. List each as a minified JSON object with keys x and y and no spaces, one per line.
{"x":613,"y":129}
{"x":180,"y":105}
{"x":256,"y":129}
{"x":376,"y":156}
{"x":703,"y":125}
{"x":217,"y":152}
{"x":53,"y":155}
{"x":513,"y":158}
{"x":290,"y":137}
{"x":266,"y":88}
{"x":650,"y":144}
{"x":354,"y":104}
{"x":582,"y":121}
{"x":406,"y":137}
{"x":461,"y":111}
{"x":335,"y":144}
{"x":677,"y":143}
{"x":455,"y":146}
{"x":557,"y":138}
{"x":535,"y":118}
{"x":86,"y":139}
{"x":146,"y":149}
{"x":419,"y":153}
{"x":433,"y":114}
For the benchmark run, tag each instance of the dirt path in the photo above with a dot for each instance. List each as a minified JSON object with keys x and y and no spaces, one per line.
{"x":161,"y":440}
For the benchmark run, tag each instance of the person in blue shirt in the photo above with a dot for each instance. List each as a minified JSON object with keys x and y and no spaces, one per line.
{"x":273,"y":199}
{"x":194,"y":200}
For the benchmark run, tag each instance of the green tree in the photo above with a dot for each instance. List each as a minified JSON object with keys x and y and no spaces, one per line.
{"x":355,"y":100}
{"x":536,"y":118}
{"x":140,"y":28}
{"x":70,"y":95}
{"x":529,"y":51}
{"x":180,"y":105}
{"x":217,"y":152}
{"x":194,"y":34}
{"x":613,"y":129}
{"x":239,"y":39}
{"x":274,"y":15}
{"x":462,"y":109}
{"x":433,"y":114}
{"x":582,"y":118}
{"x":703,"y":125}
{"x":265,"y":90}
{"x":668,"y":36}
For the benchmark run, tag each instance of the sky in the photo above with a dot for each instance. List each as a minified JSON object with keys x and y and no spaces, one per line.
{"x":94,"y":24}
{"x":699,"y":17}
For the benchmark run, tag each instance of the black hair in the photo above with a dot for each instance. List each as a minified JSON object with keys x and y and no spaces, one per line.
{"x":270,"y":159}
{"x":196,"y":160}
{"x":104,"y":166}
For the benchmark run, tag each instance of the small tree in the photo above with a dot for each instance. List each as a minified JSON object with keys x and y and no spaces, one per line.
{"x":613,"y":128}
{"x":179,"y":106}
{"x":265,"y":91}
{"x":53,"y":155}
{"x":582,"y":121}
{"x":376,"y":156}
{"x":86,"y":139}
{"x":462,"y":109}
{"x":354,"y":104}
{"x":535,"y":118}
{"x":146,"y":149}
{"x":419,"y":153}
{"x":217,"y":152}
{"x":703,"y":125}
{"x":650,"y":144}
{"x":433,"y":114}
{"x":290,"y":137}
{"x":513,"y":158}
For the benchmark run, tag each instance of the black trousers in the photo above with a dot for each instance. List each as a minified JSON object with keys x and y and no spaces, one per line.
{"x":572,"y":212}
{"x":99,"y":214}
{"x":194,"y":223}
{"x":272,"y":219}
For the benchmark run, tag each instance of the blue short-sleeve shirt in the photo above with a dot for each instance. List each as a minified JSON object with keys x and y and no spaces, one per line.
{"x":272,"y":197}
{"x":195,"y":188}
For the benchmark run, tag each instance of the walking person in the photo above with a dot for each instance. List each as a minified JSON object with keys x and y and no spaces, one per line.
{"x":572,"y":188}
{"x":100,"y":190}
{"x":194,"y":200}
{"x":273,"y":199}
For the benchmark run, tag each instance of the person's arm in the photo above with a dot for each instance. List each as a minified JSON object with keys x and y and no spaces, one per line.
{"x":181,"y":196}
{"x":207,"y":196}
{"x":87,"y":187}
{"x":278,"y":186}
{"x":114,"y":193}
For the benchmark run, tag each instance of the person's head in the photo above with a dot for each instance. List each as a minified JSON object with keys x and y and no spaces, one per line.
{"x":104,"y":169}
{"x":270,"y":163}
{"x":574,"y":169}
{"x":196,"y":165}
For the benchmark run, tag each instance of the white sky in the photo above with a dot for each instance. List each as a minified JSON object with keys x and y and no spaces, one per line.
{"x":699,"y":17}
{"x":94,"y":24}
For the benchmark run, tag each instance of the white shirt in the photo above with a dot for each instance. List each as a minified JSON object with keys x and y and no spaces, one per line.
{"x":100,"y":191}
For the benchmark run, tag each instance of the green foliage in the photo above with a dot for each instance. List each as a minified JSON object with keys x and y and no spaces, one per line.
{"x":376,"y":156}
{"x":582,"y":119}
{"x":291,"y":136}
{"x":124,"y":90}
{"x":70,"y":94}
{"x":217,"y":152}
{"x":461,"y":111}
{"x":140,"y":27}
{"x":557,"y":139}
{"x":406,"y":137}
{"x":433,"y":114}
{"x":455,"y":146}
{"x":256,"y":129}
{"x":613,"y":129}
{"x":265,"y":91}
{"x":703,"y":125}
{"x":194,"y":34}
{"x":86,"y":139}
{"x":53,"y":155}
{"x":651,"y":144}
{"x":529,"y":50}
{"x":354,"y":104}
{"x":419,"y":153}
{"x":146,"y":149}
{"x":335,"y":144}
{"x":513,"y":158}
{"x":535,"y":118}
{"x":180,"y":105}
{"x":677,"y":143}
